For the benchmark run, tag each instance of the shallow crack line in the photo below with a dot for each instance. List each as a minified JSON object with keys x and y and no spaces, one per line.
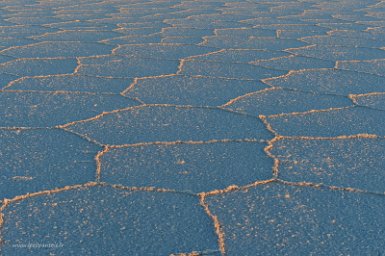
{"x":56,"y":92}
{"x":196,"y":253}
{"x":358,"y":105}
{"x":234,"y":100}
{"x":235,"y":188}
{"x":166,"y":75}
{"x":153,"y":44}
{"x":342,"y":46}
{"x":338,"y":62}
{"x":293,"y":72}
{"x":61,"y":75}
{"x":43,"y":42}
{"x":136,"y":80}
{"x":24,"y":128}
{"x":34,"y":58}
{"x":154,"y":106}
{"x":340,"y":137}
{"x":296,"y":90}
{"x":82,"y":136}
{"x":118,"y":77}
{"x":313,"y":92}
{"x":328,"y":187}
{"x":62,"y":31}
{"x":110,"y":42}
{"x":190,"y":58}
{"x":98,"y":160}
{"x":235,"y":63}
{"x":11,"y":83}
{"x":358,"y":71}
{"x":310,"y":112}
{"x":259,"y":62}
{"x":204,"y":54}
{"x":217,"y":225}
{"x":184,"y":142}
{"x":177,"y":37}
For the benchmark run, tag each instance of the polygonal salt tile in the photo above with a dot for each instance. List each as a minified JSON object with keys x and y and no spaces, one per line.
{"x":58,"y":49}
{"x":146,"y":24}
{"x":194,"y":167}
{"x":331,"y":123}
{"x":21,"y":31}
{"x":107,"y":221}
{"x":333,"y":81}
{"x":38,"y":67}
{"x":163,"y":51}
{"x":375,"y":31}
{"x":297,"y":34}
{"x":79,"y":25}
{"x":5,"y":59}
{"x":354,"y":17}
{"x":76,"y":35}
{"x":140,"y":11}
{"x":176,"y":31}
{"x":195,"y":91}
{"x":344,"y":26}
{"x":292,"y":27}
{"x":275,"y":219}
{"x":372,"y":23}
{"x":136,"y":39}
{"x":277,"y":101}
{"x":295,"y":63}
{"x":374,"y":100}
{"x":126,"y":67}
{"x":84,"y":14}
{"x":6,"y":78}
{"x":12,"y":41}
{"x":244,"y":32}
{"x":261,"y":43}
{"x":116,"y":20}
{"x":137,"y":31}
{"x":228,"y":70}
{"x":151,"y":124}
{"x":182,"y":40}
{"x":370,"y":66}
{"x":353,"y":39}
{"x":336,"y":52}
{"x":210,"y":16}
{"x":354,"y":163}
{"x":269,"y":20}
{"x":36,"y":160}
{"x":34,"y":109}
{"x":239,"y":56}
{"x":72,"y":83}
{"x":33,"y":20}
{"x":203,"y":24}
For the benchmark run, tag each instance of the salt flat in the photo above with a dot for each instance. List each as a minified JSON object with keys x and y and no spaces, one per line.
{"x":173,"y":127}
